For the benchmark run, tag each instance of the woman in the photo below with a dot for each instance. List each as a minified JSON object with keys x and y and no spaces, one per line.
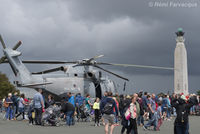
{"x":114,"y":110}
{"x":134,"y":110}
{"x":88,"y":104}
{"x":96,"y":108}
{"x":9,"y":107}
{"x":21,"y":105}
{"x":49,"y":101}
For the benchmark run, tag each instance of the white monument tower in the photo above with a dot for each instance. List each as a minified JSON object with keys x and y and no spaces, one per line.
{"x":180,"y":65}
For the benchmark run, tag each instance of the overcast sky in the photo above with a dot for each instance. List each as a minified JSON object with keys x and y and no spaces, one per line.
{"x":125,"y":31}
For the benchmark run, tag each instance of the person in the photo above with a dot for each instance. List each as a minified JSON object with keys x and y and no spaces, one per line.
{"x":153,"y":114}
{"x":134,"y":109}
{"x":159,"y":111}
{"x":166,"y":107}
{"x":96,"y":108}
{"x":38,"y":104}
{"x":21,"y":105}
{"x":174,"y":96}
{"x":125,"y":123}
{"x":88,"y":104}
{"x":117,"y":103}
{"x":15,"y":100}
{"x":31,"y":114}
{"x":9,"y":107}
{"x":140,"y":120}
{"x":121,"y":102}
{"x":50,"y":101}
{"x":79,"y":101}
{"x":71,"y":98}
{"x":68,"y":109}
{"x":182,"y":106}
{"x":106,"y":108}
{"x":145,"y":107}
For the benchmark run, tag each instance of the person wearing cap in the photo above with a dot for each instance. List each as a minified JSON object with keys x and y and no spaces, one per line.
{"x":182,"y":106}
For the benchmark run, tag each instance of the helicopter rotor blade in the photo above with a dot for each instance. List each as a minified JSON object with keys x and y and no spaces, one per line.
{"x":139,"y":66}
{"x":2,"y":42}
{"x":111,"y":72}
{"x":49,"y":70}
{"x":98,"y":56}
{"x":47,"y":62}
{"x":77,"y":65}
{"x":17,"y":45}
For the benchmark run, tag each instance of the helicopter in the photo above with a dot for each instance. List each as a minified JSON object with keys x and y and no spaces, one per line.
{"x":77,"y":77}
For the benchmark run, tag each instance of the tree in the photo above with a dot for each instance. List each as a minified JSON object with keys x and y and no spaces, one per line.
{"x":5,"y":86}
{"x":198,"y":92}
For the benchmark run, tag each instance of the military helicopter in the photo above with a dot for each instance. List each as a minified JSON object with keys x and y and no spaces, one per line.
{"x":77,"y":77}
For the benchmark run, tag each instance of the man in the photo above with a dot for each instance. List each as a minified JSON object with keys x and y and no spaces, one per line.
{"x":15,"y":100}
{"x":38,"y":104}
{"x":108,"y":115}
{"x":144,"y":100}
{"x":105,"y":96}
{"x":152,"y":110}
{"x":140,"y":120}
{"x":68,"y":109}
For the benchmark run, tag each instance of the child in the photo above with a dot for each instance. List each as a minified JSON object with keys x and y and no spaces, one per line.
{"x":96,"y":108}
{"x":31,"y":114}
{"x":159,"y":111}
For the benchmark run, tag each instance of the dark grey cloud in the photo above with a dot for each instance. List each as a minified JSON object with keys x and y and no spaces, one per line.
{"x":125,"y":31}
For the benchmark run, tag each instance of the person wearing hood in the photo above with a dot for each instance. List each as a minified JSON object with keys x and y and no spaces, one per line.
{"x":182,"y":106}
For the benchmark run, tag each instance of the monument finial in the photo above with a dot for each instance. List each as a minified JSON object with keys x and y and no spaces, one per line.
{"x":180,"y":32}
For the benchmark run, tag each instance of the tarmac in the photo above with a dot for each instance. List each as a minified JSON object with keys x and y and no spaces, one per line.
{"x":22,"y":127}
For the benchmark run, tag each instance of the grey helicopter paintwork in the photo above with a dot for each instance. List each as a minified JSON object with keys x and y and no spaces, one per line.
{"x":77,"y":77}
{"x":76,"y":80}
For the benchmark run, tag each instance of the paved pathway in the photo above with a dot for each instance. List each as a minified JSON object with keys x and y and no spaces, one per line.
{"x":22,"y":127}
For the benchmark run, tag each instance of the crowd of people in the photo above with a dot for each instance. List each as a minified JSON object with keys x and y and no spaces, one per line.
{"x":130,"y":111}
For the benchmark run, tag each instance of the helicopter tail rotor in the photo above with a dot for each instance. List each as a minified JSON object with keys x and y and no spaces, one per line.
{"x":3,"y":59}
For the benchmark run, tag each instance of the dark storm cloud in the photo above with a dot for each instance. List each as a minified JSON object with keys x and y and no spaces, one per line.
{"x":125,"y":31}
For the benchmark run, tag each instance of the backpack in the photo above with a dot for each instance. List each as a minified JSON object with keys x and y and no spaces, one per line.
{"x":5,"y":104}
{"x":108,"y":108}
{"x":127,"y":114}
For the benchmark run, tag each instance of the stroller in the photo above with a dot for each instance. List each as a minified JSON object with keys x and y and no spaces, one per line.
{"x":51,"y":116}
{"x":84,"y":113}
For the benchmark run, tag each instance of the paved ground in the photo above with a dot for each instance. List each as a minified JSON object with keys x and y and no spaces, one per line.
{"x":22,"y":127}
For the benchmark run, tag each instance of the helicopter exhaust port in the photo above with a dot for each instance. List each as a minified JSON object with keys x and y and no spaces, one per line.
{"x":90,"y":74}
{"x":63,"y":68}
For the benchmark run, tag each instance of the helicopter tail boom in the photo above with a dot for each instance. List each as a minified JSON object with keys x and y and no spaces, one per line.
{"x":11,"y":55}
